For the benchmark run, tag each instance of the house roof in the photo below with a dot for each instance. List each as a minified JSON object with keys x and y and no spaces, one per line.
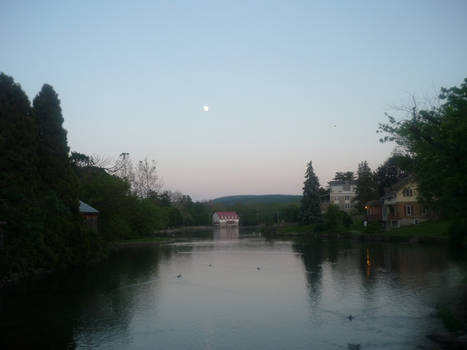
{"x":398,"y":185}
{"x":86,"y":208}
{"x":222,"y":214}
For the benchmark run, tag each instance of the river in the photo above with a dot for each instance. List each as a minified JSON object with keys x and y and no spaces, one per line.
{"x":237,"y":290}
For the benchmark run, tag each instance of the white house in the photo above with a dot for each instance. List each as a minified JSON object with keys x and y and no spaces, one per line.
{"x":224,"y":218}
{"x":342,"y":193}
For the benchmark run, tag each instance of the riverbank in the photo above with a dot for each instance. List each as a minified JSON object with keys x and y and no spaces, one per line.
{"x":142,"y":242}
{"x":427,"y":232}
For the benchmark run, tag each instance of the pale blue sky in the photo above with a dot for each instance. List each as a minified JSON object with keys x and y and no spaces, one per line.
{"x":133,"y":77}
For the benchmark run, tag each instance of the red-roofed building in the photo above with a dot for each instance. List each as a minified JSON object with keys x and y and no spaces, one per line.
{"x":224,"y":218}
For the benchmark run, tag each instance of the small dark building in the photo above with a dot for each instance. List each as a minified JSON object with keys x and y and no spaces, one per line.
{"x":89,"y":214}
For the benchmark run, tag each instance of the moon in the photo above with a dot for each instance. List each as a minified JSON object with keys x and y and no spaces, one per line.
{"x":205,"y":108}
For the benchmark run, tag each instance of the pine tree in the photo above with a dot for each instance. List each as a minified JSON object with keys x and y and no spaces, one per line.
{"x":18,"y":159}
{"x":344,"y":176}
{"x":64,"y":236}
{"x":55,"y":165}
{"x":19,"y":180}
{"x":366,"y":186}
{"x":310,"y":204}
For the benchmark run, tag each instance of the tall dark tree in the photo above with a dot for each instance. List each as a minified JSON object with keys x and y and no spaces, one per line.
{"x":19,"y":181}
{"x":344,"y":176}
{"x":394,"y":169}
{"x":310,"y":209}
{"x":435,"y":141}
{"x":54,"y":165}
{"x":324,"y":193}
{"x":366,"y":186}
{"x":67,"y":241}
{"x":41,"y":225}
{"x":18,"y":141}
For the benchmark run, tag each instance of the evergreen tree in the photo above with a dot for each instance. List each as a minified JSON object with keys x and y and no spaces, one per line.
{"x":19,"y":180}
{"x":18,"y":160}
{"x":310,"y":208}
{"x":67,"y":240}
{"x":54,"y":166}
{"x":344,"y":176}
{"x":366,"y":186}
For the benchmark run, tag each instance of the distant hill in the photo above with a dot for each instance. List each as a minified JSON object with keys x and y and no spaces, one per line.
{"x":258,"y":199}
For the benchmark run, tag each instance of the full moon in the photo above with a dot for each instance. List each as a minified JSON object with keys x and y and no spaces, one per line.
{"x":205,"y":108}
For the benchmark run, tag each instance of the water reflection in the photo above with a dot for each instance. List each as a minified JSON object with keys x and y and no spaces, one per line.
{"x":376,"y":290}
{"x":233,"y":290}
{"x":226,"y":233}
{"x":83,"y":302}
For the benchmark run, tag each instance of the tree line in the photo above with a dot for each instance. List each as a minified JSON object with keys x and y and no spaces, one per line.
{"x":41,"y":183}
{"x":39,"y":207}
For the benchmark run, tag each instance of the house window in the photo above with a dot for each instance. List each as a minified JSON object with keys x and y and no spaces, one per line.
{"x":347,"y":206}
{"x":425,"y":211}
{"x":347,"y":198}
{"x":408,"y":210}
{"x":407,"y":192}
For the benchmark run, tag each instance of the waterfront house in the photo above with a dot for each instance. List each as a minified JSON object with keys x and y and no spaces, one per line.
{"x":89,"y":214}
{"x":225,"y":218}
{"x":342,"y":194}
{"x":399,"y":206}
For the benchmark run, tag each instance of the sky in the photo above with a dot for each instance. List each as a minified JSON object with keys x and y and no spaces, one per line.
{"x":286,"y":82}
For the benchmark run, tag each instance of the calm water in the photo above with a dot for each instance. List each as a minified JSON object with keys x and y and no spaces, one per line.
{"x":239,"y":292}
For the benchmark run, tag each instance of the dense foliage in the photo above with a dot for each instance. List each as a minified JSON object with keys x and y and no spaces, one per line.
{"x":435,"y":142}
{"x":41,"y":184}
{"x":344,"y":176}
{"x":41,"y":225}
{"x":256,"y":213}
{"x":336,"y":220}
{"x":258,"y":199}
{"x":366,"y":186}
{"x":394,"y":169}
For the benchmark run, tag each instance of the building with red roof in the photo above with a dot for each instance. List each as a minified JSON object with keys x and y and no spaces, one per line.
{"x":224,"y":218}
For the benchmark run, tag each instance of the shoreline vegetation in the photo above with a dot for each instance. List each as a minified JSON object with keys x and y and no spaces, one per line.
{"x":426,"y":232}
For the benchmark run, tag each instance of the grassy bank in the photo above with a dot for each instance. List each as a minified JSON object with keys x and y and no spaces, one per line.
{"x":433,"y":229}
{"x":427,"y":231}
